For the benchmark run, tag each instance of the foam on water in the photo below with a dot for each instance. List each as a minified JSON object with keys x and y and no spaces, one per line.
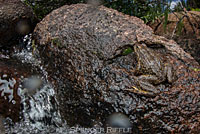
{"x":5,"y":88}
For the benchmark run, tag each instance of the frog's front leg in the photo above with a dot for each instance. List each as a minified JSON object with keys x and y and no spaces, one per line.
{"x":145,"y":85}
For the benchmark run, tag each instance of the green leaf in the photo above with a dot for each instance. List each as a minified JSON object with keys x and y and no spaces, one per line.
{"x":127,"y":51}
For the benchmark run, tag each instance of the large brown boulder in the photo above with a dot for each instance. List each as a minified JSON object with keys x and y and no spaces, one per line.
{"x":16,"y":20}
{"x":184,"y":28}
{"x":80,"y":49}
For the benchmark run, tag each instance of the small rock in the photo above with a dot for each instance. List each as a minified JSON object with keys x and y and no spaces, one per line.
{"x":16,"y":20}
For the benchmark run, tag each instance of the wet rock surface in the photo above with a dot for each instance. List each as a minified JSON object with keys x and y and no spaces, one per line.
{"x":16,"y":20}
{"x":2,"y":128}
{"x":186,"y":33}
{"x":12,"y":75}
{"x":80,"y":47}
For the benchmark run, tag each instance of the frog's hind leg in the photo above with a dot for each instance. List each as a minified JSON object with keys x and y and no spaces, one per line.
{"x":145,"y":85}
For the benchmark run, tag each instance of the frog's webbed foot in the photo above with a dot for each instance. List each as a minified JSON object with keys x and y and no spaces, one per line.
{"x":145,"y":86}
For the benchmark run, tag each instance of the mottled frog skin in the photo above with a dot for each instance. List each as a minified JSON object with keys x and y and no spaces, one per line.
{"x":152,"y":69}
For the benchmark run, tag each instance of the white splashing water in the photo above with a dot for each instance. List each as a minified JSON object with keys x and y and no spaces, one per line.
{"x":40,"y":113}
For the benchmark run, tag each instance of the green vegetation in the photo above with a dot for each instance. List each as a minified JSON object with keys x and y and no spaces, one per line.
{"x":196,"y":9}
{"x":180,"y":27}
{"x":148,"y":10}
{"x":33,"y":46}
{"x":127,"y":51}
{"x":166,"y":19}
{"x":43,"y":7}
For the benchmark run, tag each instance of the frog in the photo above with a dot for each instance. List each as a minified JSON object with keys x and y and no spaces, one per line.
{"x":152,"y":69}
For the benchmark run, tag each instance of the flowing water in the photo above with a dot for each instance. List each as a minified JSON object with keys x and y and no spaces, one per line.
{"x":40,"y":109}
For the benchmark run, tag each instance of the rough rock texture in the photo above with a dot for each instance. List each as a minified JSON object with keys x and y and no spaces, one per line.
{"x":16,"y":20}
{"x":12,"y":73}
{"x":80,"y":47}
{"x":2,"y":128}
{"x":188,"y":37}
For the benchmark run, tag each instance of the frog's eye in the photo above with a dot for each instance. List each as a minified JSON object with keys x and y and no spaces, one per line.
{"x":127,"y":51}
